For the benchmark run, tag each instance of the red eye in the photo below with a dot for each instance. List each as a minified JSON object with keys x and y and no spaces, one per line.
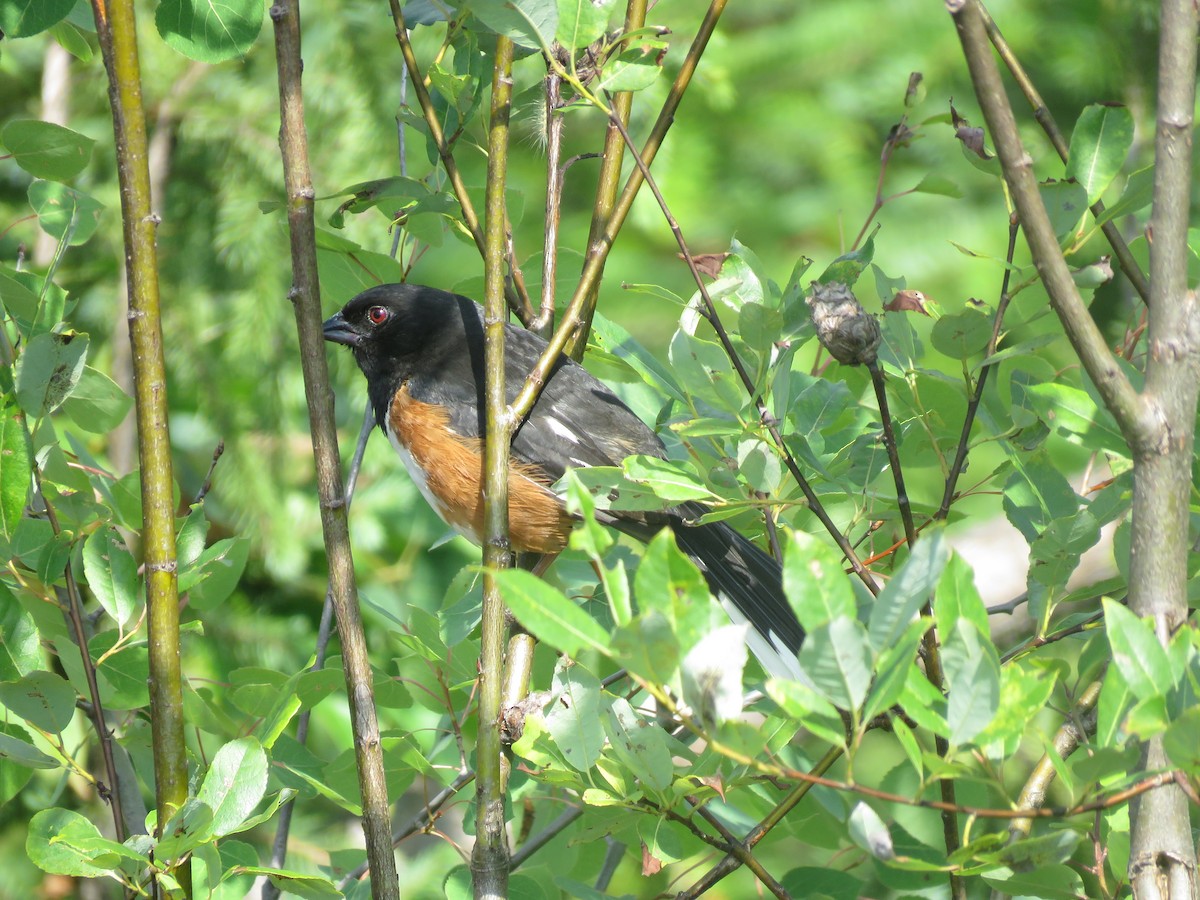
{"x":378,"y":315}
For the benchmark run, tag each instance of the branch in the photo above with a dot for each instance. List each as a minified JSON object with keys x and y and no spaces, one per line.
{"x":1044,"y":118}
{"x":1140,"y":428}
{"x":95,"y":709}
{"x":270,"y":890}
{"x":116,"y":30}
{"x":960,"y":456}
{"x":1072,"y":733}
{"x":767,"y":420}
{"x":1162,"y":852}
{"x":607,"y":185}
{"x":490,"y":857}
{"x":759,"y":831}
{"x":517,"y":301}
{"x":306,"y":302}
{"x":569,"y":330}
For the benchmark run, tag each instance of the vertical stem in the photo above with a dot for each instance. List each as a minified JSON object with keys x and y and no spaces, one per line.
{"x":1162,"y":858}
{"x":554,"y":183}
{"x":490,"y":857}
{"x":569,"y":333}
{"x":306,"y":301}
{"x":117,"y":31}
{"x":609,"y":182}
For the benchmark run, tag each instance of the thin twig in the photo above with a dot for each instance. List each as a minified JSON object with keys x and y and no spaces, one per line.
{"x":422,"y":822}
{"x":1043,"y":116}
{"x":1137,"y":422}
{"x":759,"y":831}
{"x":569,"y":328}
{"x":544,"y":321}
{"x":271,"y":890}
{"x":768,"y":421}
{"x":306,"y":301}
{"x":607,"y":185}
{"x":110,"y":792}
{"x":546,"y":835}
{"x":960,"y":456}
{"x":206,"y":485}
{"x":518,"y":302}
{"x":742,"y":852}
{"x":889,"y":443}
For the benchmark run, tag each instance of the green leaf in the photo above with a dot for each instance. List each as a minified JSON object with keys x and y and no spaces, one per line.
{"x":804,"y":704}
{"x":760,"y":326}
{"x":895,"y":665}
{"x":219,"y":570}
{"x":529,"y":23}
{"x":648,"y":647}
{"x":815,"y":583}
{"x":633,"y":70}
{"x":1071,"y":410}
{"x":972,"y":670}
{"x":759,"y":464}
{"x":1059,"y":882}
{"x":112,"y":574}
{"x":97,"y":404}
{"x":837,"y":658}
{"x":1037,"y":494}
{"x":1136,"y":651}
{"x":573,"y":717}
{"x":957,"y":597}
{"x":62,"y":842}
{"x":17,"y":752}
{"x":582,"y":21}
{"x":909,"y":590}
{"x":16,"y":470}
{"x":938,"y":184}
{"x":48,"y":371}
{"x":962,"y":335}
{"x":22,"y":18}
{"x":668,"y":479}
{"x":64,"y":213}
{"x":869,"y":832}
{"x":1100,"y":143}
{"x":46,"y":150}
{"x":549,"y":615}
{"x":20,"y":643}
{"x":847,"y":267}
{"x":45,"y":699}
{"x":1138,"y":194}
{"x":310,"y":887}
{"x":71,"y":38}
{"x":1066,"y":203}
{"x":234,"y":784}
{"x":668,"y":581}
{"x":1182,"y":741}
{"x":643,"y":749}
{"x":820,"y":881}
{"x":207,"y":31}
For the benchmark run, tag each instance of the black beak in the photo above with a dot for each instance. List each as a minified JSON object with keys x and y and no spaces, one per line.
{"x":338,"y":330}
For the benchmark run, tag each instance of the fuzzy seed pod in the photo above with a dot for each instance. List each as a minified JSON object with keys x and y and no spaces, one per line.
{"x":845,"y":329}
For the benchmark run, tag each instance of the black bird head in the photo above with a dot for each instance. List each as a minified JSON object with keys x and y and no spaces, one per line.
{"x":390,"y":325}
{"x":399,"y":330}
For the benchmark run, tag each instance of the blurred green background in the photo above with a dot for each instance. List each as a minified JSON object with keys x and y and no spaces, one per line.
{"x":777,"y":144}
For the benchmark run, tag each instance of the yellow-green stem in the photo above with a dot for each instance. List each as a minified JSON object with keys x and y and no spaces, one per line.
{"x":116,"y":29}
{"x":490,"y":857}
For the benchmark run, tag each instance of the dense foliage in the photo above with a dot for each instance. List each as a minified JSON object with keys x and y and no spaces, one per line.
{"x":651,"y":747}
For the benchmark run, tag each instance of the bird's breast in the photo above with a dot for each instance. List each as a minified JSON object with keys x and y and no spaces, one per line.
{"x":448,"y":470}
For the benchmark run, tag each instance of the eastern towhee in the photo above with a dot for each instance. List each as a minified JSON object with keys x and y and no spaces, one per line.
{"x":421,"y":350}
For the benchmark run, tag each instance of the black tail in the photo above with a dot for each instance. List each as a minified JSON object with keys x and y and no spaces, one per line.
{"x":750,"y":585}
